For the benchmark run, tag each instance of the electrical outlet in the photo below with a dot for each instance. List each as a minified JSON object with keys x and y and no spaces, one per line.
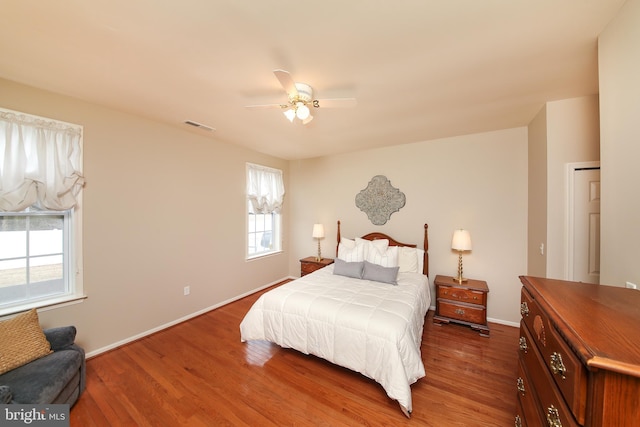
{"x":632,"y":285}
{"x":187,"y":290}
{"x":541,"y":248}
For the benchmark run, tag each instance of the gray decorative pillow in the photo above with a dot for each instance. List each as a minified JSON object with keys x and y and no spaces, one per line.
{"x":349,"y":269}
{"x":377,"y":273}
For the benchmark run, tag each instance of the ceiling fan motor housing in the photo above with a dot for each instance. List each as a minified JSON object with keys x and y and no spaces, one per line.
{"x":305,"y":93}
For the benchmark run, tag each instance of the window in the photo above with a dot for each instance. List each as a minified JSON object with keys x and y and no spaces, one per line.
{"x":263,"y":234}
{"x":265,"y":193}
{"x":40,"y":212}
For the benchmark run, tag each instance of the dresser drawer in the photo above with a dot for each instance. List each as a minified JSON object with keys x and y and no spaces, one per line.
{"x":527,"y":399}
{"x":463,"y":312}
{"x":519,"y":419}
{"x":463,"y":295}
{"x":562,"y":363}
{"x":553,"y":406}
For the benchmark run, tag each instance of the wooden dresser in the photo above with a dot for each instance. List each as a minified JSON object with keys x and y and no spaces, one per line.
{"x":579,"y":355}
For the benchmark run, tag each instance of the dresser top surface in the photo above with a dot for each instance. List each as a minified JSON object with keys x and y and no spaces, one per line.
{"x":603,"y":322}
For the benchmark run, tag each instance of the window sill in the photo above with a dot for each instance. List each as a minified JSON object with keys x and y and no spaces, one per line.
{"x":254,"y":257}
{"x":50,"y":304}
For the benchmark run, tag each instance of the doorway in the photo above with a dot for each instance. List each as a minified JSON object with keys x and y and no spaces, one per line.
{"x":584,"y":222}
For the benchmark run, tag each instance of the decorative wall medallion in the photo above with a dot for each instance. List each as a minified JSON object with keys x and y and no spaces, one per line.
{"x":380,"y":199}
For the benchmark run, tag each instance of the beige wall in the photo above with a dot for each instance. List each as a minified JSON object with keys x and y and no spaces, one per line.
{"x":477,"y":182}
{"x":564,"y":132}
{"x":619,"y":59}
{"x":163,"y":208}
{"x":573,"y":136}
{"x":537,"y":203}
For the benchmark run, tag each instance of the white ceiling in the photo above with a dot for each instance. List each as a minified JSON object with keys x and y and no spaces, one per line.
{"x":420,"y":69}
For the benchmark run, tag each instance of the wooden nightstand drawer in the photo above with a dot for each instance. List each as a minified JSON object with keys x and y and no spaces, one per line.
{"x":307,"y":267}
{"x":463,"y":312}
{"x":469,"y":296}
{"x":310,"y":264}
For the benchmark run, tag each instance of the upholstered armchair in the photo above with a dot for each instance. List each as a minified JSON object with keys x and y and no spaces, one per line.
{"x":57,"y":377}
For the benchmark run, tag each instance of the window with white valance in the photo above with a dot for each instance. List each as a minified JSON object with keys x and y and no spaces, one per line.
{"x":265,"y":188}
{"x":265,"y":195}
{"x":40,"y":162}
{"x":41,"y":183}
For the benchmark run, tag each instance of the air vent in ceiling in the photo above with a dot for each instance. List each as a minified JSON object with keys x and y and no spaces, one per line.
{"x":199,"y":125}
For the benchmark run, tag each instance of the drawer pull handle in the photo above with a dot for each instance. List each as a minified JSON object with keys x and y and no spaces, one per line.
{"x":557,"y":366}
{"x":523,"y":344}
{"x":460,"y":311}
{"x":524,"y":309}
{"x":518,"y":422}
{"x":520,"y":385}
{"x":553,"y":417}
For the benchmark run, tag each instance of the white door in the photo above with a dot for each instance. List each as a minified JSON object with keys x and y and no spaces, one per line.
{"x":586,"y":225}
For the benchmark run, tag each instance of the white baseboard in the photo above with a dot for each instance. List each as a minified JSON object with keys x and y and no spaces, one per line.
{"x":503,"y":322}
{"x":180,"y":320}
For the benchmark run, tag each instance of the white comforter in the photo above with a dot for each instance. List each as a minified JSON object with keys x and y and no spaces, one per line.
{"x":369,"y":327}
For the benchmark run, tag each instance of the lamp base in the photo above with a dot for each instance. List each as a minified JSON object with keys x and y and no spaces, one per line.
{"x":459,"y":277}
{"x":319,"y":257}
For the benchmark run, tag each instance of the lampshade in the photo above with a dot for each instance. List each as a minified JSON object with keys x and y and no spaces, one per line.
{"x":461,"y":240}
{"x":318,"y":231}
{"x":290,"y":114}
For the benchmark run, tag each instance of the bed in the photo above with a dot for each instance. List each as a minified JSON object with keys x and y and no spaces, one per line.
{"x":365,"y":312}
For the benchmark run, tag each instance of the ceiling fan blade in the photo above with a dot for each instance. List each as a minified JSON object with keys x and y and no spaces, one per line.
{"x":335,"y":103}
{"x":287,"y":82}
{"x":266,"y":106}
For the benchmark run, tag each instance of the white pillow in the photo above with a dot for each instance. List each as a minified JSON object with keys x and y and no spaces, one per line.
{"x":348,"y":243}
{"x":354,"y":254}
{"x":388,"y":258}
{"x":379,"y":245}
{"x":408,"y":260}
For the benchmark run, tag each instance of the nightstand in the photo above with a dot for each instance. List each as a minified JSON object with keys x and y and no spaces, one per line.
{"x":309,"y":264}
{"x":464,"y":303}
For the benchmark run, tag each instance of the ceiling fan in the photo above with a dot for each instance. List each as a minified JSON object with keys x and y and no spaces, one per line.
{"x":301,"y":99}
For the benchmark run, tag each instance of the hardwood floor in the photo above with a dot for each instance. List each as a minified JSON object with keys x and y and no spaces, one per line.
{"x":198,"y":373}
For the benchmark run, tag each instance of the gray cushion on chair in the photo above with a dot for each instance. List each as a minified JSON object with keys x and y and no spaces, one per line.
{"x":5,"y":395}
{"x":42,"y":380}
{"x":61,"y":337}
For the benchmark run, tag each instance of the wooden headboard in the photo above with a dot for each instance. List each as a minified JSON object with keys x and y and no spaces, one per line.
{"x":394,"y":242}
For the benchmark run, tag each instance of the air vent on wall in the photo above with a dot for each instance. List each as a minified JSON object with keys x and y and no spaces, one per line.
{"x":199,"y":125}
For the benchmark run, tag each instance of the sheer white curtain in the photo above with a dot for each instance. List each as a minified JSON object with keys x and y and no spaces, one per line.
{"x":265,"y":189}
{"x":40,"y":162}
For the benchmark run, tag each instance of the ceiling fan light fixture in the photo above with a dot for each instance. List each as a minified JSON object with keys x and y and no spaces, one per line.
{"x":290,"y":114}
{"x":302,"y":111}
{"x":307,"y":120}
